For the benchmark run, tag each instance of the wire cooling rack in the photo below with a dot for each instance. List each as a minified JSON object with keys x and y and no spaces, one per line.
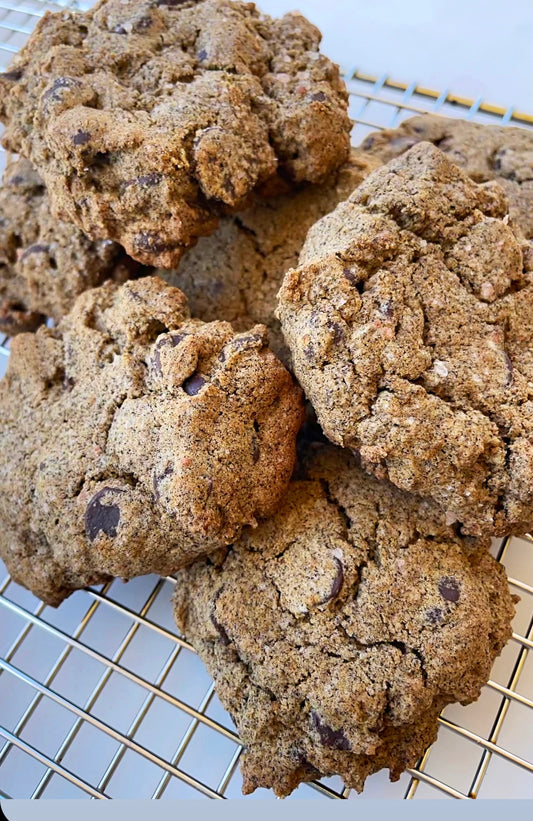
{"x":101,"y":698}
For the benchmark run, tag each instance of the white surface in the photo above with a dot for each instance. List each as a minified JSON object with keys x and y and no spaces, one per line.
{"x":474,"y":47}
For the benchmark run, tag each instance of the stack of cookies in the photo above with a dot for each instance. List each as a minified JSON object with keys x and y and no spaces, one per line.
{"x":180,"y":163}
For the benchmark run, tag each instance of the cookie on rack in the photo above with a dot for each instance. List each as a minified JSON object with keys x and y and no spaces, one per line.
{"x":44,"y":262}
{"x":237,"y":271}
{"x":484,"y":152}
{"x":148,"y":119}
{"x":338,"y":630}
{"x":409,"y":324}
{"x":135,"y":439}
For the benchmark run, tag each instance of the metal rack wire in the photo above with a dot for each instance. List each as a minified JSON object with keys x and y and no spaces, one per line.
{"x":102,"y":698}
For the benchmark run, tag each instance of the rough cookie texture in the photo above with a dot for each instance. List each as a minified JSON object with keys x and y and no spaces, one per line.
{"x":235,"y":273}
{"x":484,"y":152}
{"x":45,"y":263}
{"x":338,"y":630}
{"x":135,"y":439}
{"x":146,"y":117}
{"x":410,"y":323}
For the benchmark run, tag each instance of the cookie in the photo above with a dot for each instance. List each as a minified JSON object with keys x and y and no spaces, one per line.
{"x":484,"y":152}
{"x":45,"y":263}
{"x":405,"y":321}
{"x":235,"y":274}
{"x":148,"y":118}
{"x":135,"y":439}
{"x":338,"y":630}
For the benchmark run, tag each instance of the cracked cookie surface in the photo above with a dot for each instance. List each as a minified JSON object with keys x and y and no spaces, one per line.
{"x":147,"y":118}
{"x":45,"y":263}
{"x":484,"y":152}
{"x":135,"y":439}
{"x":339,"y":629}
{"x":235,"y":273}
{"x":409,"y":322}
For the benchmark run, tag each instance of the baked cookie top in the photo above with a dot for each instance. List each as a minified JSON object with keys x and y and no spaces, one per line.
{"x":235,"y":274}
{"x":484,"y":152}
{"x":410,"y":321}
{"x":135,"y":439}
{"x":44,"y":262}
{"x":145,"y":118}
{"x":338,"y":630}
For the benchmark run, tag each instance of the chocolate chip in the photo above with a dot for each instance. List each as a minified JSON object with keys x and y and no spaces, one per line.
{"x":158,"y":478}
{"x":81,"y":138}
{"x":319,"y":96}
{"x":15,"y":74}
{"x":449,"y":588}
{"x":68,"y":383}
{"x":337,"y":582}
{"x":58,"y":85}
{"x":149,"y":179}
{"x":102,"y":517}
{"x":353,"y":279}
{"x":171,"y":3}
{"x":256,"y":450}
{"x":435,"y":615}
{"x":152,"y":242}
{"x":143,"y":23}
{"x":194,"y":384}
{"x":216,"y":624}
{"x":202,"y":55}
{"x":35,"y":249}
{"x":386,"y":309}
{"x":367,"y":144}
{"x":337,"y":330}
{"x":333,"y":739}
{"x":171,"y":339}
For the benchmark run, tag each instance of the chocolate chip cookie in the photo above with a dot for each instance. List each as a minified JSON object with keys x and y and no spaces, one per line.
{"x":235,"y":273}
{"x":484,"y":152}
{"x":338,"y":630}
{"x":147,"y":118}
{"x":135,"y":439}
{"x":44,"y":262}
{"x":410,"y":325}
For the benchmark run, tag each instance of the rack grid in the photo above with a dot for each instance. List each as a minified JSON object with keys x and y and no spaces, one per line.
{"x":102,"y":698}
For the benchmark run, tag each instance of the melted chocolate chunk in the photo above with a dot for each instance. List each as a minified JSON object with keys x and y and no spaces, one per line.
{"x":15,"y":74}
{"x":81,"y":138}
{"x":338,"y":581}
{"x":319,"y":96}
{"x":435,"y":615}
{"x":173,"y":340}
{"x":194,"y":384}
{"x":101,"y":517}
{"x":35,"y":249}
{"x":149,"y":179}
{"x":449,"y":588}
{"x":58,"y":85}
{"x":333,"y":739}
{"x":152,"y":242}
{"x":386,"y":309}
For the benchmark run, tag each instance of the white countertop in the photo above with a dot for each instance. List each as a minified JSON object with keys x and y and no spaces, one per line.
{"x":477,"y":48}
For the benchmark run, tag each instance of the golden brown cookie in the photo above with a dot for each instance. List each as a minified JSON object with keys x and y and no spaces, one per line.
{"x":135,"y":439}
{"x":147,"y":118}
{"x":338,"y":630}
{"x":235,"y":274}
{"x":44,"y":262}
{"x":484,"y":152}
{"x":404,"y":321}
